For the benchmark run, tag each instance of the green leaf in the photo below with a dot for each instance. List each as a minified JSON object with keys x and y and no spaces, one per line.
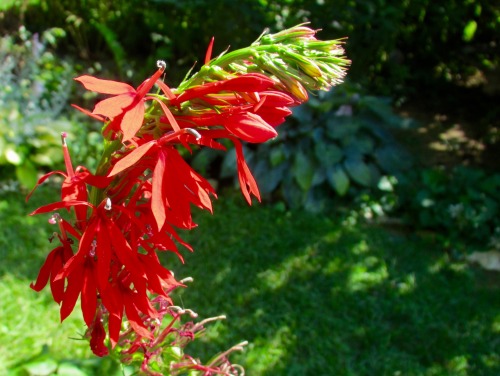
{"x":303,"y":170}
{"x":277,"y":154}
{"x":392,"y":159}
{"x":293,"y":195}
{"x":203,"y":159}
{"x":359,"y":171}
{"x":364,"y":143}
{"x":328,"y":153}
{"x":314,"y":202}
{"x":228,"y":167}
{"x":268,"y":177}
{"x":338,"y":179}
{"x":340,"y":127}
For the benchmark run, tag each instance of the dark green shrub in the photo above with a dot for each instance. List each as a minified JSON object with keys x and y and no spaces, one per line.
{"x":339,"y":143}
{"x":462,"y":205}
{"x":395,"y":46}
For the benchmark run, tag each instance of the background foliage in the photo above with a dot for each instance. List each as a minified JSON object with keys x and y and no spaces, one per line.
{"x":354,"y":153}
{"x":396,"y":46}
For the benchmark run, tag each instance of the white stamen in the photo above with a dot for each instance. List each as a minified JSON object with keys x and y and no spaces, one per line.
{"x":187,"y":279}
{"x":54,"y":219}
{"x":161,"y":64}
{"x":108,"y":204}
{"x":194,"y":132}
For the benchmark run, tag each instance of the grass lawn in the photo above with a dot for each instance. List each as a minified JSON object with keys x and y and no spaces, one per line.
{"x":312,"y":294}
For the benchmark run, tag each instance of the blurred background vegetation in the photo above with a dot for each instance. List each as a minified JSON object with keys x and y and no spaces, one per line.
{"x":409,"y":143}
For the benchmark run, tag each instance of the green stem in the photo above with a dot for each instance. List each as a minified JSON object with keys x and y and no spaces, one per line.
{"x":97,"y":194}
{"x":224,"y":60}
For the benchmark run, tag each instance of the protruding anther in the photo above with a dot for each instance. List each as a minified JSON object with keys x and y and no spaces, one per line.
{"x":107,"y":206}
{"x":161,"y":64}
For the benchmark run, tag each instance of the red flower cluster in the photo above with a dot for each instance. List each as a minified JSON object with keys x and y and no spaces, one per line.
{"x":144,"y":191}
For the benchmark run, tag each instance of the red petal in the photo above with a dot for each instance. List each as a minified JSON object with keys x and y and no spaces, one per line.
{"x":88,"y":113}
{"x":276,"y":99}
{"x":208,"y":55}
{"x":168,"y":114}
{"x":158,"y":201}
{"x":124,"y":252}
{"x":131,"y":158}
{"x":104,"y":86}
{"x":146,"y":86}
{"x":166,"y":90}
{"x":250,"y":127}
{"x":89,"y":293}
{"x":132,"y":121}
{"x":113,"y":106}
{"x":103,"y":252}
{"x":245,"y":83}
{"x":42,"y":179}
{"x":57,"y":287}
{"x":87,"y":177}
{"x":43,"y":275}
{"x":77,"y":260}
{"x":274,"y":116}
{"x":248,"y":184}
{"x":72,"y":292}
{"x":59,"y":205}
{"x":97,"y":338}
{"x":135,"y":320}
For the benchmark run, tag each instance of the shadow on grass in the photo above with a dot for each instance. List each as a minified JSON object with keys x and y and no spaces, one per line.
{"x":315,"y":297}
{"x":311,"y":295}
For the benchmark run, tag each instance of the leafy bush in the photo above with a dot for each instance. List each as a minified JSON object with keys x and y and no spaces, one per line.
{"x":34,"y":88}
{"x":396,"y":46}
{"x":339,"y":143}
{"x":462,"y":206}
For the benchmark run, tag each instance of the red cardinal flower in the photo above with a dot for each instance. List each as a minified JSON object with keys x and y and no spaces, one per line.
{"x":126,"y":108}
{"x":51,"y":268}
{"x":74,"y":186}
{"x":174,"y":184}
